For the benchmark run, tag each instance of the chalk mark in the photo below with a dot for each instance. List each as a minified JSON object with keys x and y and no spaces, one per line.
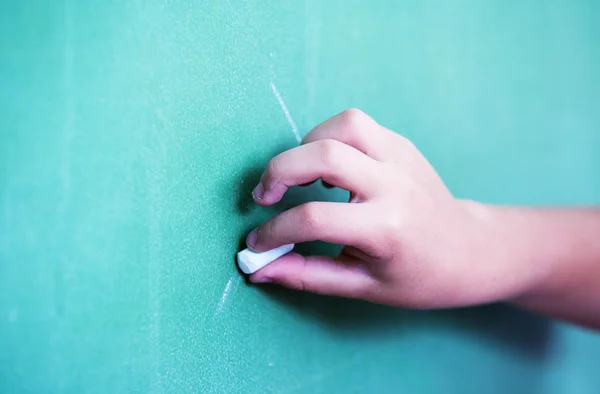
{"x":229,"y":289}
{"x":286,"y":112}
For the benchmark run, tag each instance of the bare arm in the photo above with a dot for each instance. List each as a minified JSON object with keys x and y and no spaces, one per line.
{"x":558,"y":251}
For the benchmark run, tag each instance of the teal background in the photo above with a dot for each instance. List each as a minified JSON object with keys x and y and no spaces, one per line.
{"x":131,"y":134}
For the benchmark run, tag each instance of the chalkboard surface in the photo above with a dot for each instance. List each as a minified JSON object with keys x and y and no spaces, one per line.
{"x":131,"y":134}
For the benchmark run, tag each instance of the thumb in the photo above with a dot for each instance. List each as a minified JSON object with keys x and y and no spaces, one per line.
{"x":343,"y":276}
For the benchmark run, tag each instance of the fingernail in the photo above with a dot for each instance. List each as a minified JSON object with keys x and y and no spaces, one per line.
{"x":251,"y":238}
{"x":258,"y":192}
{"x":264,"y":279}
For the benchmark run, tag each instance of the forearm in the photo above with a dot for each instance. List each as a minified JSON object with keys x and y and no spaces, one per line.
{"x":548,"y":258}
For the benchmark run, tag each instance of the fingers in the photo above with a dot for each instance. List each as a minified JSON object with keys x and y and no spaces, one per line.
{"x":335,"y":163}
{"x":338,"y":223}
{"x":357,"y":129}
{"x":341,"y":276}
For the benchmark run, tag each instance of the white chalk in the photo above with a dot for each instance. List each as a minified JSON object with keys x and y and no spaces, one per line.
{"x":250,"y":262}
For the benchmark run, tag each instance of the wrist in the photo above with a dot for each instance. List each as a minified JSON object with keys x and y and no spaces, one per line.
{"x":502,"y":262}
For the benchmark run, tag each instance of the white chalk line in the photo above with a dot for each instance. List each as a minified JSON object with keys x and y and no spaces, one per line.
{"x":226,"y":293}
{"x":286,"y":112}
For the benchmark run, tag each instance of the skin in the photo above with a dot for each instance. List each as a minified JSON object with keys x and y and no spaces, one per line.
{"x":410,"y":243}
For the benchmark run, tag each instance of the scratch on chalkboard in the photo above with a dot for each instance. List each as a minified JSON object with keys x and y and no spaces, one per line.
{"x":230,"y":288}
{"x":286,"y":112}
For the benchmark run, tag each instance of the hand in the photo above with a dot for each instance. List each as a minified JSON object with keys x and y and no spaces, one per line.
{"x":408,"y":241}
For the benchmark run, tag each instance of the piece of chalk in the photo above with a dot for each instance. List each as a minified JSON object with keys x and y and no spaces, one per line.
{"x":250,"y":261}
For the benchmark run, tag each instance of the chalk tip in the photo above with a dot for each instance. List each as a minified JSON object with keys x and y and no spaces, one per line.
{"x":250,"y":262}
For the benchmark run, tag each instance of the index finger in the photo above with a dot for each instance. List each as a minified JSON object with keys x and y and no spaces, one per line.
{"x":334,"y":162}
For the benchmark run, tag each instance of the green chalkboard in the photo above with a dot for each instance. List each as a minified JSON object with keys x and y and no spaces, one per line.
{"x":131,"y":134}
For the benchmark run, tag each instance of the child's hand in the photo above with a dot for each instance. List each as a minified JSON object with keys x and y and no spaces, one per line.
{"x":408,"y":240}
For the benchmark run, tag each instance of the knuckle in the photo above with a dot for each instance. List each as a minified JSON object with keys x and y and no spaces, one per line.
{"x":330,"y":153}
{"x":353,"y":119}
{"x":299,"y":281}
{"x":356,"y":127}
{"x":393,"y":226}
{"x":353,"y":122}
{"x":311,"y":217}
{"x":405,"y":143}
{"x":295,"y":278}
